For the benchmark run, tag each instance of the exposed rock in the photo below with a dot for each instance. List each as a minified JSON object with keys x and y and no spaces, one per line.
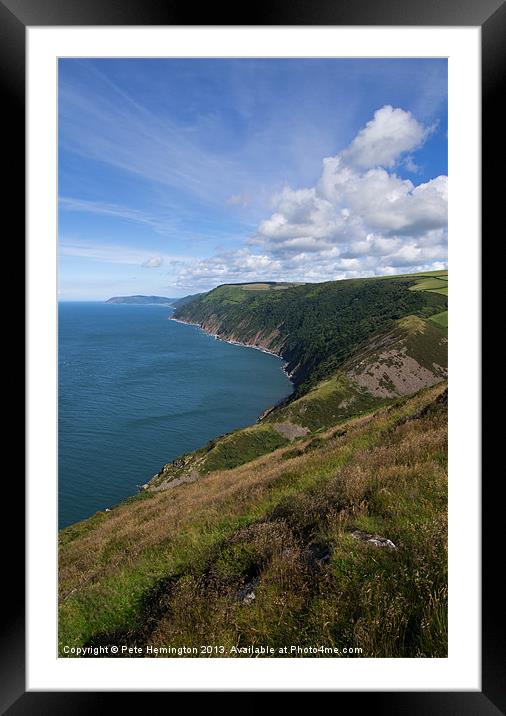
{"x":246,"y":595}
{"x":182,"y":480}
{"x":290,"y":431}
{"x":396,"y":373}
{"x":397,"y":361}
{"x":265,"y":413}
{"x":376,"y":540}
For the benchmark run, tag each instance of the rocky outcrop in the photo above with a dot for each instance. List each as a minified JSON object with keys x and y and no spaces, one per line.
{"x":402,"y":360}
{"x":375,"y":540}
{"x":290,"y":431}
{"x":178,"y":472}
{"x":174,"y":482}
{"x":394,"y":372}
{"x":246,"y":595}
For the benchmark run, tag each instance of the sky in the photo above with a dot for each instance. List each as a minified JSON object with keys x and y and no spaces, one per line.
{"x":177,"y":175}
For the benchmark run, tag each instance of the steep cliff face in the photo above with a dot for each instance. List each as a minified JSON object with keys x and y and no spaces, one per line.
{"x":268,"y":340}
{"x":293,"y":529}
{"x":314,"y":327}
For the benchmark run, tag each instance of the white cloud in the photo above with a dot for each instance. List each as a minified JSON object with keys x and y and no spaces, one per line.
{"x":410,"y":164}
{"x":153,"y":262}
{"x":381,"y":201}
{"x":388,"y":135}
{"x":361,"y":218}
{"x":233,"y":266}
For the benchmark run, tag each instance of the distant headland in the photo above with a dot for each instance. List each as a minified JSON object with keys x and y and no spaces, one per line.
{"x":149,"y":300}
{"x":141,"y":299}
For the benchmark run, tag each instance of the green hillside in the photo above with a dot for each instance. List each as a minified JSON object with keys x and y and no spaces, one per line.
{"x":315,"y":327}
{"x":323,"y":523}
{"x":280,"y":550}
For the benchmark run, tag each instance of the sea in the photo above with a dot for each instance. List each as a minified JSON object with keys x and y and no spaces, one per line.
{"x":137,"y":390}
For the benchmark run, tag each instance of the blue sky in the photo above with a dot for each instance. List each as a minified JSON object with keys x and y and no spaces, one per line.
{"x":178,"y":175}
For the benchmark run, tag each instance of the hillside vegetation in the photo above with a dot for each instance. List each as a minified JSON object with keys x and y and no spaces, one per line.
{"x":324,"y":524}
{"x":401,"y":357}
{"x":314,"y":327}
{"x":273,"y":552}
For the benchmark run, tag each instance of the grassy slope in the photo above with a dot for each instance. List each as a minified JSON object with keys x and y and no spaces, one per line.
{"x":328,"y":402}
{"x":167,"y":567}
{"x":332,"y":400}
{"x":222,"y":453}
{"x":315,"y":327}
{"x":441,"y":287}
{"x":440,"y":319}
{"x":341,"y":395}
{"x":185,"y":552}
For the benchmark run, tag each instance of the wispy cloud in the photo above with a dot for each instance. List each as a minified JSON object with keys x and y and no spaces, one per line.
{"x":107,"y":125}
{"x":212,"y":170}
{"x":112,"y":253}
{"x":161,"y":224}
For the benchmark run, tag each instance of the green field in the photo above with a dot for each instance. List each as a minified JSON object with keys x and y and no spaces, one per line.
{"x":441,"y":319}
{"x":435,"y":283}
{"x":443,"y":290}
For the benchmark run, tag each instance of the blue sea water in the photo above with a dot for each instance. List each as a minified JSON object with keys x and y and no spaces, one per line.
{"x":137,"y":390}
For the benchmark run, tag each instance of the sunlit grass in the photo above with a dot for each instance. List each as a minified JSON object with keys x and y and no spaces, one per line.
{"x":167,"y":568}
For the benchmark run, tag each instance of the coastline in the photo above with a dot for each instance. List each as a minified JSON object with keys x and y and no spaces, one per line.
{"x":236,"y":343}
{"x":263,"y":410}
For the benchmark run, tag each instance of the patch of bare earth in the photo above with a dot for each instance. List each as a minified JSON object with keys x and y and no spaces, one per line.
{"x":395,"y":373}
{"x":290,"y":431}
{"x":167,"y":484}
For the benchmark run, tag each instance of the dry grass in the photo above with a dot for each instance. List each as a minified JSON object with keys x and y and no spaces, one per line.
{"x":168,"y":569}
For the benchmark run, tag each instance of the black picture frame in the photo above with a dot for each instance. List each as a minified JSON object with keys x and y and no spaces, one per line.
{"x":490,"y":15}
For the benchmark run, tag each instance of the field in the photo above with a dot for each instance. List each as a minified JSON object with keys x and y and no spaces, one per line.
{"x":436,"y":283}
{"x":269,"y":286}
{"x":441,"y":319}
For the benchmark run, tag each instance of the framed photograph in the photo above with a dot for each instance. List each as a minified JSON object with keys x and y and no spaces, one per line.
{"x":304,"y":516}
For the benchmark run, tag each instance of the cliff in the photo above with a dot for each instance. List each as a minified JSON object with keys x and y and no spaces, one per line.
{"x":314,"y":327}
{"x":323,"y":524}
